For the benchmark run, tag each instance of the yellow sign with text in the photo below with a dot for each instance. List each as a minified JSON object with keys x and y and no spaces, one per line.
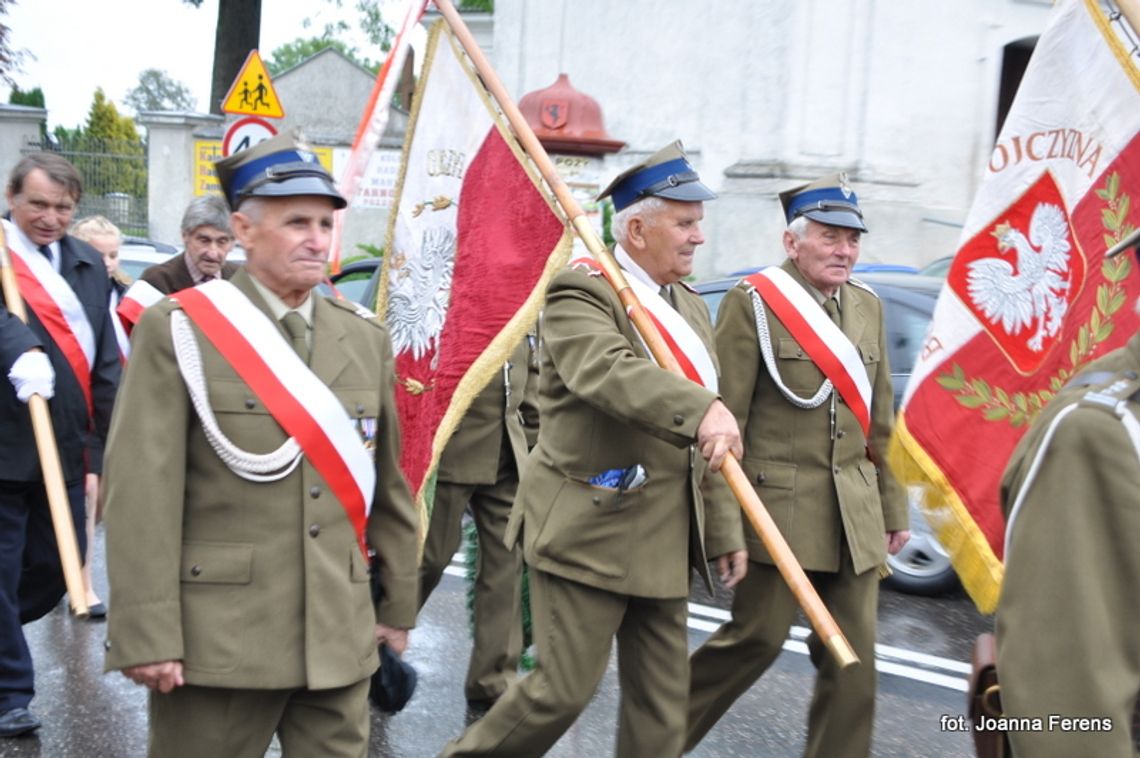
{"x":207,"y":151}
{"x":252,"y":92}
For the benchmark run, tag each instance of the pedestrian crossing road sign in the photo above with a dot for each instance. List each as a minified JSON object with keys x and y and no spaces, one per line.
{"x":252,"y":92}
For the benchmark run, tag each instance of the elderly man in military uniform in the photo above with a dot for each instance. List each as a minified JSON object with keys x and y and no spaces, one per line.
{"x":252,"y":468}
{"x":610,"y":505}
{"x":1068,"y":646}
{"x":804,"y":352}
{"x":479,"y":472}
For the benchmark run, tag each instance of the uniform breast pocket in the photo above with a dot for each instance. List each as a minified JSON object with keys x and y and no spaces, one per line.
{"x":797,"y":370}
{"x":871,"y":353}
{"x":362,"y":404}
{"x":242,"y":417}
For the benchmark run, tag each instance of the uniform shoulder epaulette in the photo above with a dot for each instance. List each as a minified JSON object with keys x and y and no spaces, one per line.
{"x":356,"y":309}
{"x":586,"y":265}
{"x":1116,"y":388}
{"x":862,"y":285}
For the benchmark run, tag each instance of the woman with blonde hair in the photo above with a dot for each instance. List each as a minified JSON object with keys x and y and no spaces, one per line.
{"x":104,"y":236}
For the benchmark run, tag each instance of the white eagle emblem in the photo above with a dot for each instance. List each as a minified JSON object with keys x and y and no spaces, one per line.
{"x":419,"y":290}
{"x":1035,"y":291}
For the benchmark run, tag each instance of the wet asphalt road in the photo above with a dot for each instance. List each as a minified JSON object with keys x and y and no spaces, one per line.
{"x":87,"y":714}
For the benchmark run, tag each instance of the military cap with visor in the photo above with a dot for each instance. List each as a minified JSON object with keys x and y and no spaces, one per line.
{"x":667,"y":173}
{"x":282,"y":166}
{"x":829,"y":200}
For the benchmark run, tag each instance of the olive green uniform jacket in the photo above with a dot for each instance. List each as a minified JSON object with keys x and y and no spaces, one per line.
{"x":817,"y":485}
{"x":606,"y":405}
{"x":472,"y":454}
{"x":1068,"y":623}
{"x":252,"y":585}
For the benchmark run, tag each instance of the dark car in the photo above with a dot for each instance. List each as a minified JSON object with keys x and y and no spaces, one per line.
{"x":923,"y":566}
{"x":355,"y":281}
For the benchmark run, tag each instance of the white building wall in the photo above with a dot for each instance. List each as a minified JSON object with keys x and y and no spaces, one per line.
{"x":901,"y":94}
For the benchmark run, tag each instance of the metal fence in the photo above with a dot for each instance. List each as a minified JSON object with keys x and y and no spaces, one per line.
{"x":114,"y":179}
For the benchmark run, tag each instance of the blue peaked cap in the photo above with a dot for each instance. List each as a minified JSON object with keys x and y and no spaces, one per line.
{"x":278,"y":167}
{"x":667,"y":173}
{"x":829,"y":200}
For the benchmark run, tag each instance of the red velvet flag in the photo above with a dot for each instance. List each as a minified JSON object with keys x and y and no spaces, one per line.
{"x":473,"y":241}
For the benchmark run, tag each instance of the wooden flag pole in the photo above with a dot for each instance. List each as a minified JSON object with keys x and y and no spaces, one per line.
{"x":821,"y":620}
{"x":58,"y":501}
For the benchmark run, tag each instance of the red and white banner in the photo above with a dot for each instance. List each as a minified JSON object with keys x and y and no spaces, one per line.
{"x":1030,"y":298}
{"x":373,"y":122}
{"x":56,"y":306}
{"x":472,"y":243}
{"x":824,"y":342}
{"x":297,"y":399}
{"x":138,"y":298}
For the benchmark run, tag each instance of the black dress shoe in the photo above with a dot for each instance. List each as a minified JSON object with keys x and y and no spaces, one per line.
{"x":17,"y":721}
{"x":97,"y":611}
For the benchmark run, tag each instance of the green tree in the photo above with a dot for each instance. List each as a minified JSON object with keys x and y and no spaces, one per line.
{"x":289,"y":55}
{"x":32,"y":97}
{"x":109,"y":153}
{"x":156,"y":91}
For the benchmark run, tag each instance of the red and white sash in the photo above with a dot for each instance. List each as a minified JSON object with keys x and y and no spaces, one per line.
{"x":138,"y":297}
{"x":823,"y":341}
{"x":297,"y":399}
{"x":56,"y":306}
{"x":682,"y":341}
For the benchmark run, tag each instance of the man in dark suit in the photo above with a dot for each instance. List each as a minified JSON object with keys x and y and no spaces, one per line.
{"x":611,"y":506}
{"x":207,"y":239}
{"x":76,"y":359}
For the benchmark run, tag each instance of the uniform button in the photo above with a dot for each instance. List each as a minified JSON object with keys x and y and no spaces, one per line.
{"x":106,"y":644}
{"x":840,"y":434}
{"x":597,"y":500}
{"x":314,"y":530}
{"x":761,"y":477}
{"x":359,"y":408}
{"x":314,"y":491}
{"x":799,"y":353}
{"x":195,"y":570}
{"x":678,"y":419}
{"x":250,"y":402}
{"x":835,"y":470}
{"x":841,"y":400}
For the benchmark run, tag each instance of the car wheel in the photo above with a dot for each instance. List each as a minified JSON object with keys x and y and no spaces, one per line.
{"x":923,"y":566}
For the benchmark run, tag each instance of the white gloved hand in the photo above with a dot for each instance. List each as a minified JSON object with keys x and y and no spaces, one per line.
{"x":32,"y":374}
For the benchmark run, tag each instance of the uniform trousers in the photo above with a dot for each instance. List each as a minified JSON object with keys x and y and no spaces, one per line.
{"x":574,"y":627}
{"x":31,"y":577}
{"x":193,"y":722}
{"x":763,"y":609}
{"x":498,"y":633}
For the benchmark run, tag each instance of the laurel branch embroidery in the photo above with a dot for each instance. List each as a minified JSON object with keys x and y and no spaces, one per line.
{"x":1020,"y":408}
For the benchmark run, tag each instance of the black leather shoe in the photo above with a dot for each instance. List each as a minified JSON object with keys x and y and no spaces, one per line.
{"x":17,"y":721}
{"x":97,"y":612}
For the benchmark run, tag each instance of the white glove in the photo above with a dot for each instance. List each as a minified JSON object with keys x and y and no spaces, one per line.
{"x":32,"y":374}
